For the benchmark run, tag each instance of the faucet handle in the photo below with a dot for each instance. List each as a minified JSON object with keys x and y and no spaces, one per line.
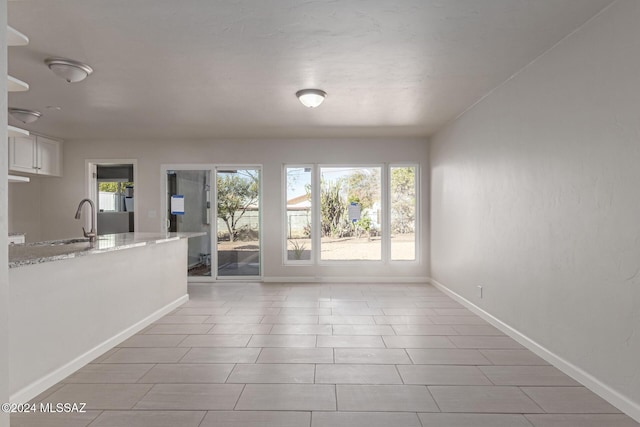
{"x":92,"y":235}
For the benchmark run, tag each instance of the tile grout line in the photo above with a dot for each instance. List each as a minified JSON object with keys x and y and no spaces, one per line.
{"x":133,"y":407}
{"x":433,"y":398}
{"x":528,"y":420}
{"x":102,"y":411}
{"x":203,"y":417}
{"x":244,"y":386}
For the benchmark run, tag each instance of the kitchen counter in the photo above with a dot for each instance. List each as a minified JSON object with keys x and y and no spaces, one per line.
{"x":55,"y":250}
{"x":73,"y":307}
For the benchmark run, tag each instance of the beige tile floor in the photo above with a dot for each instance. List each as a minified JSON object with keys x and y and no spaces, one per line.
{"x":311,"y":355}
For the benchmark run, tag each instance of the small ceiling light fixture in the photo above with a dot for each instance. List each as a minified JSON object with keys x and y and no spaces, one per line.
{"x":311,"y":97}
{"x":71,"y":71}
{"x":25,"y":116}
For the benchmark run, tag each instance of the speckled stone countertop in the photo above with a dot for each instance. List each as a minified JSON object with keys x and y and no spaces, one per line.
{"x":55,"y":250}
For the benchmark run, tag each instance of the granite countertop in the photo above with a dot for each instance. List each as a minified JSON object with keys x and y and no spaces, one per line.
{"x":55,"y":250}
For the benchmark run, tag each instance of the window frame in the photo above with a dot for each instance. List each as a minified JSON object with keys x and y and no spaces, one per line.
{"x":385,"y":213}
{"x":285,"y":219}
{"x":418,"y":214}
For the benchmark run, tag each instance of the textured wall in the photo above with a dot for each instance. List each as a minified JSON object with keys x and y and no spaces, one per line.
{"x":535,"y":196}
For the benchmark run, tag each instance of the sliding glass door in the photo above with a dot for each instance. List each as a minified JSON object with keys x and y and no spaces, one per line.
{"x":238,"y":221}
{"x":188,"y":203}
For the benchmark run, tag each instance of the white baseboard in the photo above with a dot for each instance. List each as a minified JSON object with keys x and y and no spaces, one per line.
{"x":344,"y":279}
{"x":309,"y":279}
{"x":35,"y":388}
{"x":612,"y":396}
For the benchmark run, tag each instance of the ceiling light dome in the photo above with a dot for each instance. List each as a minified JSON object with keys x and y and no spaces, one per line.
{"x":25,"y":116}
{"x":311,"y":97}
{"x":70,"y":70}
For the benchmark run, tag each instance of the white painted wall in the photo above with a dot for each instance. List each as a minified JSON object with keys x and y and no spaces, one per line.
{"x":60,"y":196}
{"x":4,"y":261}
{"x":535,"y":196}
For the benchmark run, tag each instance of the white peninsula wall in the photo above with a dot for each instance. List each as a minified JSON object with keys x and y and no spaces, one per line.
{"x":72,"y":302}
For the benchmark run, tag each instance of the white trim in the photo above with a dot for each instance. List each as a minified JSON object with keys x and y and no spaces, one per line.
{"x":345,"y":279}
{"x":385,"y":212}
{"x":316,"y":215}
{"x":35,"y":388}
{"x":200,"y":279}
{"x":225,"y":283}
{"x":612,"y":396}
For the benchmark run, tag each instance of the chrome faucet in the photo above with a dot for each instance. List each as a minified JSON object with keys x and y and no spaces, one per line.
{"x":92,"y":234}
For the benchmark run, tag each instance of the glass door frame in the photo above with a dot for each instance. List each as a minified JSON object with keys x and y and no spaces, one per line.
{"x":164,"y":208}
{"x":214,"y":252}
{"x":212,"y":168}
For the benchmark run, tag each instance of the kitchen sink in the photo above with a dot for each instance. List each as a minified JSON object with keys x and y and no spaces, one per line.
{"x":64,"y":242}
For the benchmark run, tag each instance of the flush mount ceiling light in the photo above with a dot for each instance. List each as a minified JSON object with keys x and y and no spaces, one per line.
{"x":71,"y":71}
{"x":311,"y":97}
{"x":25,"y":116}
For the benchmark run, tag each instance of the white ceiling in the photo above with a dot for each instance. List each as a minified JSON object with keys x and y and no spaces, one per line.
{"x":230,"y":68}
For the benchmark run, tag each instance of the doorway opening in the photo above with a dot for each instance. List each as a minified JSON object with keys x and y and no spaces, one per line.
{"x":111,"y":186}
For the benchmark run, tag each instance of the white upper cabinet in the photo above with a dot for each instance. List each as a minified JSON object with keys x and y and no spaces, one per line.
{"x":35,"y":154}
{"x":48,"y":156}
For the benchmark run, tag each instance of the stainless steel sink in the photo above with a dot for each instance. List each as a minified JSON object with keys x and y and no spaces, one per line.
{"x":64,"y":242}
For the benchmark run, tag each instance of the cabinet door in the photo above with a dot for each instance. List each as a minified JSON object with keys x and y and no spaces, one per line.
{"x":49,"y":156}
{"x":22,"y":154}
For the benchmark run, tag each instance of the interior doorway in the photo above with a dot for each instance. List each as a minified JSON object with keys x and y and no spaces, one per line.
{"x":111,"y":186}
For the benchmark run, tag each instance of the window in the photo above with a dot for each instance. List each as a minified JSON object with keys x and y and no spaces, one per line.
{"x":298,"y":209}
{"x":358,"y":213}
{"x":113,"y":194}
{"x":402,"y":200}
{"x":350,"y":213}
